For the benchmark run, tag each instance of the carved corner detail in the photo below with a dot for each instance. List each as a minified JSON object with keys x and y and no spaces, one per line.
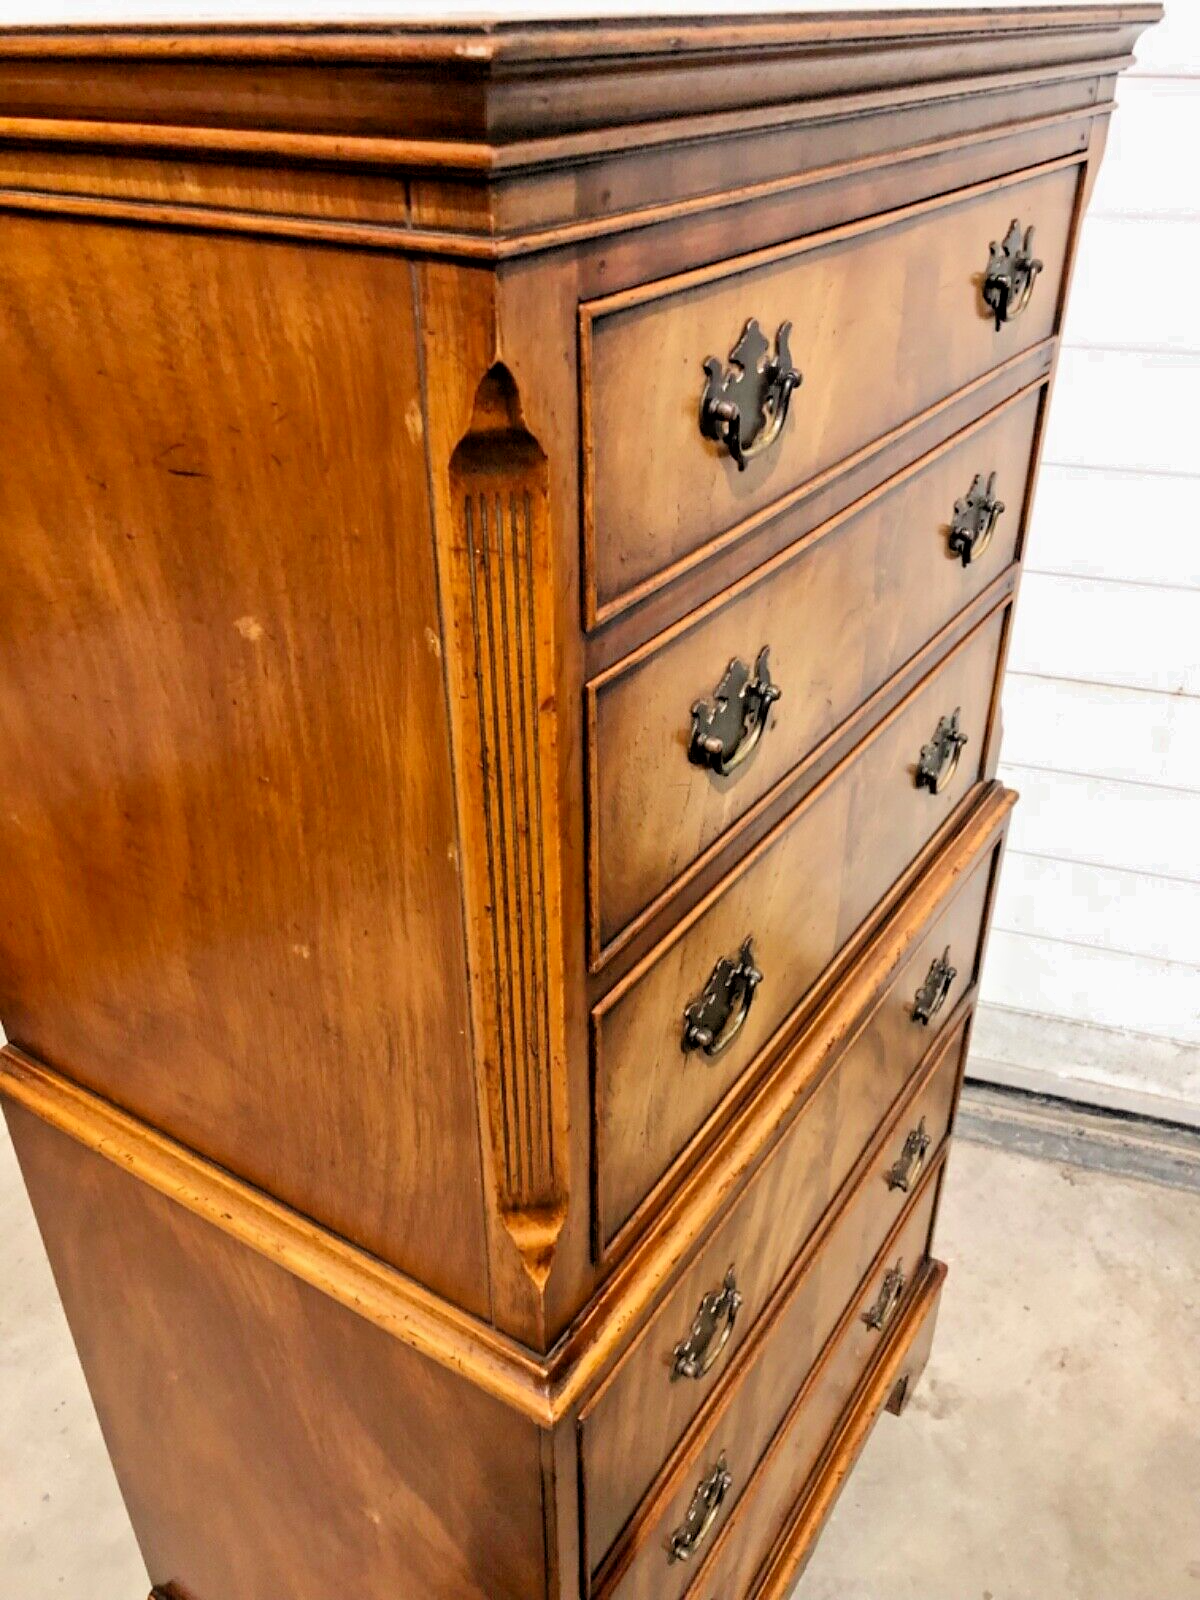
{"x":499,"y":484}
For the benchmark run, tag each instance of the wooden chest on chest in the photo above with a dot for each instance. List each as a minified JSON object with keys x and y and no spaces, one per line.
{"x":511,"y":534}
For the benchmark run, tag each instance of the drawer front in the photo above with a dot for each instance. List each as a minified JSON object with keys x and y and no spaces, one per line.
{"x":887,"y":318}
{"x":750,"y":1252}
{"x":798,"y":899}
{"x":839,"y":616}
{"x":847,"y":1268}
{"x":795,"y":1463}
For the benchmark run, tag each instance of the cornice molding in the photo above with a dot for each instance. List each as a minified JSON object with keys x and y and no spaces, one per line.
{"x":477,"y":89}
{"x":487,"y":42}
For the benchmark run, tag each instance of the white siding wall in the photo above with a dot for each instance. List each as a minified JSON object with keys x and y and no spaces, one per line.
{"x":1092,"y":985}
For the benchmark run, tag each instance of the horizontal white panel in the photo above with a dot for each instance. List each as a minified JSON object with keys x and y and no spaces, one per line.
{"x":1101,"y":907}
{"x":1103,"y":732}
{"x":1126,"y":634}
{"x":1149,"y":165}
{"x":1091,"y":522}
{"x":1119,"y":408}
{"x":1103,"y":1066}
{"x":1113,"y":990}
{"x":1157,"y":261}
{"x":1128,"y":825}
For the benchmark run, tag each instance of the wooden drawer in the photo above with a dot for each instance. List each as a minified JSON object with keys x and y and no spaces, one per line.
{"x":765,"y":1544}
{"x":840,"y":613}
{"x":880,"y":1228}
{"x":799,"y":896}
{"x":758,"y":1242}
{"x":887,"y":318}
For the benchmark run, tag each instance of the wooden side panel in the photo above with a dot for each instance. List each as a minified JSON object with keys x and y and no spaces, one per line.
{"x":269,"y":1442}
{"x":228,"y":856}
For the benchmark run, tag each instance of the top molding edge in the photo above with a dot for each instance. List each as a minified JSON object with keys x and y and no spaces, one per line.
{"x":481,"y":87}
{"x":487,"y":42}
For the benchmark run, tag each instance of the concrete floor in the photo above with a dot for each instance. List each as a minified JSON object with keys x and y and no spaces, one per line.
{"x":1052,"y":1452}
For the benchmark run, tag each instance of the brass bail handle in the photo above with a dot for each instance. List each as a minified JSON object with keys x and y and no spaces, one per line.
{"x":931,"y":996}
{"x":713,"y":1020}
{"x":744,"y":406}
{"x":891,"y":1292}
{"x":938,"y":761}
{"x":702,"y":1513}
{"x":975,"y":518}
{"x":1011,"y":273}
{"x":711,"y":1330}
{"x":908,"y":1166}
{"x":727,"y":727}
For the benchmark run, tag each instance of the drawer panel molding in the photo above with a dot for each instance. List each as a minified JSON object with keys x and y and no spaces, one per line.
{"x":864,"y":1119}
{"x":858,"y":299}
{"x":781,"y":662}
{"x":867,"y":1264}
{"x":775,"y":1528}
{"x":801,"y":896}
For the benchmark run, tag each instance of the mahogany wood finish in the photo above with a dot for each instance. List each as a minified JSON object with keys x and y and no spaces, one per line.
{"x":866,"y":297}
{"x":841,"y":614}
{"x":612,"y":1482}
{"x":267,"y":1440}
{"x":774,"y":1533}
{"x":800,"y":895}
{"x":231,"y":799}
{"x":364,"y":558}
{"x":748,"y":1413}
{"x":768,"y":1227}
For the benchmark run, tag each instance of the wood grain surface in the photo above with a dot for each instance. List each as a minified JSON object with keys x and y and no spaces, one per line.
{"x":363,"y":559}
{"x":227,"y":849}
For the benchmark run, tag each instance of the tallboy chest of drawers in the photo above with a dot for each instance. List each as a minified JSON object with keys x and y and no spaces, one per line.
{"x":510,"y":537}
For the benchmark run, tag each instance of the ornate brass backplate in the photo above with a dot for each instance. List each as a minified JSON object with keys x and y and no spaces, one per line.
{"x":727,"y":727}
{"x":745,"y":405}
{"x":891,"y":1292}
{"x":701,"y":1513}
{"x":975,"y":518}
{"x":931,"y":996}
{"x":908,"y":1166}
{"x":938,"y":760}
{"x":711,"y":1331}
{"x":1012,"y":270}
{"x":714,"y":1018}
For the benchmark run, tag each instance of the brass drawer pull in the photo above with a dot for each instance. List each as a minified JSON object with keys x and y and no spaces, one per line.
{"x":702,"y":1513}
{"x":745,"y":406}
{"x":891,"y":1292}
{"x":1012,"y":270}
{"x":931,"y":996}
{"x":711,"y":1331}
{"x":714,"y":1018}
{"x":907,"y":1168}
{"x":975,"y":519}
{"x":727,"y":728}
{"x":938,"y":761}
